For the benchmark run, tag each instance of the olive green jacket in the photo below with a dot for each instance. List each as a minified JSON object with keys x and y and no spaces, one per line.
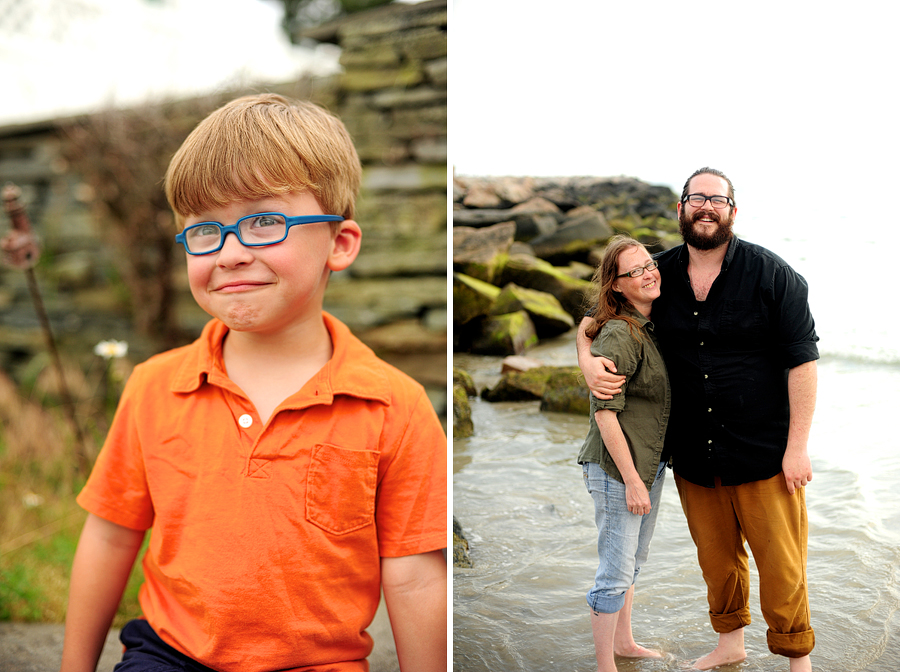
{"x":643,"y":405}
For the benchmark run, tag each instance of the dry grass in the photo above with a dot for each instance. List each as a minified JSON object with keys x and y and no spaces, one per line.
{"x":41,"y":522}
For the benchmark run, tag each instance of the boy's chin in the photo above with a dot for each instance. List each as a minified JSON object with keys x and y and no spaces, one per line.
{"x":241,"y":318}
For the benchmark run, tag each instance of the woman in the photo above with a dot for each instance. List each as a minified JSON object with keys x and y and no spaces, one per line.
{"x":623,"y":456}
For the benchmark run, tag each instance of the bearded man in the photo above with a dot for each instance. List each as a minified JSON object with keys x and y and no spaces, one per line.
{"x":739,"y":344}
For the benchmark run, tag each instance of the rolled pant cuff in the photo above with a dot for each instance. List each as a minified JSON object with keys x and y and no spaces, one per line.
{"x":791,"y":644}
{"x":724,"y":623}
{"x":604,"y":604}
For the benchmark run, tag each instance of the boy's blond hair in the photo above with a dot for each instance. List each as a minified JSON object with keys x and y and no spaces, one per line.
{"x":260,"y":145}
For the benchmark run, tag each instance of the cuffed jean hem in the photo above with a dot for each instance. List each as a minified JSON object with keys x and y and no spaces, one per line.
{"x":791,"y":644}
{"x":606,"y":604}
{"x":623,"y":541}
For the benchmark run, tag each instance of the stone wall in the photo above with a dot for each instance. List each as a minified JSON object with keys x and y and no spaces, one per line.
{"x":392,"y":97}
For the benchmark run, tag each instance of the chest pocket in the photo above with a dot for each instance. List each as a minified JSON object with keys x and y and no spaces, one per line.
{"x":340,"y":488}
{"x":639,"y":383}
{"x":741,"y":318}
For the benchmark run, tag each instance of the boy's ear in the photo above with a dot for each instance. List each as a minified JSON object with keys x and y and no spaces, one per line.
{"x":344,"y":245}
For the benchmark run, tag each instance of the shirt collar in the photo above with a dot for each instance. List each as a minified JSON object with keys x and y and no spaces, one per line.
{"x":639,"y":317}
{"x":353,"y":369}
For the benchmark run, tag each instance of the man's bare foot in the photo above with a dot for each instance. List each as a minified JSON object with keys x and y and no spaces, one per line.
{"x":716,"y":658}
{"x":730,"y":649}
{"x":801,"y":664}
{"x":636,"y":651}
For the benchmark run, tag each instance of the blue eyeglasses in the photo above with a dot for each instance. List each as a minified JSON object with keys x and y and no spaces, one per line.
{"x":259,"y":230}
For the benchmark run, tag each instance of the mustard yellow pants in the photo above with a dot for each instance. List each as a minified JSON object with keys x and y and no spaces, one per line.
{"x":775,"y":526}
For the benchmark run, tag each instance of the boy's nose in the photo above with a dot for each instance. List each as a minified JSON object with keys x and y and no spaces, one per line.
{"x":233,"y":251}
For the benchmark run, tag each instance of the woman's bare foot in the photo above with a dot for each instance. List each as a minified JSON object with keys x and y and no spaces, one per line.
{"x":637,"y":651}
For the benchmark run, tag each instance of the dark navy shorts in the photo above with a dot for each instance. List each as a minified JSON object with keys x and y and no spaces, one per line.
{"x":146,"y":652}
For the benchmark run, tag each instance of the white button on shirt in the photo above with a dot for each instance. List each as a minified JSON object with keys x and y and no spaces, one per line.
{"x":245,"y":421}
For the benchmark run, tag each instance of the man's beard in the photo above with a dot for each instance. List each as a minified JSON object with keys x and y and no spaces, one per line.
{"x":721,"y":235}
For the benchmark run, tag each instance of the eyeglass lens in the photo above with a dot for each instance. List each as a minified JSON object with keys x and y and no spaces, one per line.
{"x":264,"y":229}
{"x":698,"y":200}
{"x":637,"y":272}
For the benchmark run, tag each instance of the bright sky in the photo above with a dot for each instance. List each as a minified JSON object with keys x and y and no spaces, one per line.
{"x":60,"y":57}
{"x":63,"y":56}
{"x":787,"y":95}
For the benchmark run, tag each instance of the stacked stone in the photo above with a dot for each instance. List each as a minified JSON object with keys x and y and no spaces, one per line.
{"x":393,"y":99}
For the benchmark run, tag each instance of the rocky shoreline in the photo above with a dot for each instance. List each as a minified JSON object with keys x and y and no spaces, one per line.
{"x":524,"y":252}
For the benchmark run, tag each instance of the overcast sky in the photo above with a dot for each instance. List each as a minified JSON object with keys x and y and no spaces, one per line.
{"x":803,"y":91}
{"x":62,"y":56}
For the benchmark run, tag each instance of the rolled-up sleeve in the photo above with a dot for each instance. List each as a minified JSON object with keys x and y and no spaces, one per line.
{"x":796,"y":328}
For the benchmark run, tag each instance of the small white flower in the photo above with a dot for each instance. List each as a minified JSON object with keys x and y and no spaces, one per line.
{"x":32,"y":500}
{"x":111,"y":349}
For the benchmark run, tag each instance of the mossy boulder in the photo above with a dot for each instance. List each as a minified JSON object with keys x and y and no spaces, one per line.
{"x":460,"y":547}
{"x":472,"y":298}
{"x":509,"y":334}
{"x":481,"y":253}
{"x":462,"y":377}
{"x":545,"y":311}
{"x":528,"y":385}
{"x":566,"y":392}
{"x":534,"y":273}
{"x":462,"y":413}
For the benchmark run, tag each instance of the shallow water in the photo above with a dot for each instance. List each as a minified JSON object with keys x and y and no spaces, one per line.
{"x":519,"y":496}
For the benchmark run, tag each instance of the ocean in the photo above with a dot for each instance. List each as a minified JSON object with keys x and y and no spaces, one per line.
{"x":518,"y":492}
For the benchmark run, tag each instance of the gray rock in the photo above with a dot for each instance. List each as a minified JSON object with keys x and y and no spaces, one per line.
{"x":514,"y":190}
{"x":531,"y":225}
{"x":509,"y":334}
{"x":519,"y":363}
{"x":462,"y":416}
{"x":480,"y":252}
{"x":573,"y":239}
{"x":460,"y":547}
{"x":535,"y":273}
{"x":472,"y":298}
{"x":479,"y":218}
{"x":545,"y":311}
{"x":482,"y":196}
{"x":464,"y":379}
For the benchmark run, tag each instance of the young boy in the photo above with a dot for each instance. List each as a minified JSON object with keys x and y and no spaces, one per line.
{"x":288,"y":474}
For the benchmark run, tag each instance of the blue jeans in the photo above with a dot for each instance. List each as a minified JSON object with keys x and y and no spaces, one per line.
{"x":623,"y":539}
{"x":146,"y":652}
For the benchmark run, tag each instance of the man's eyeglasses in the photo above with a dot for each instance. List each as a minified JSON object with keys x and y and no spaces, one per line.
{"x":259,"y":230}
{"x":639,"y":271}
{"x":699,"y":200}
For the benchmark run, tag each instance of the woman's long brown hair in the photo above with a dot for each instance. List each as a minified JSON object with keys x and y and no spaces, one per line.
{"x":603,"y":301}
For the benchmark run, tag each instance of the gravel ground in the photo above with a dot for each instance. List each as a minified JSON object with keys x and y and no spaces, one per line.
{"x":37,"y":647}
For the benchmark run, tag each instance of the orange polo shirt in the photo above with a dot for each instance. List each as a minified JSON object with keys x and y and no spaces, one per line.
{"x":266,"y":542}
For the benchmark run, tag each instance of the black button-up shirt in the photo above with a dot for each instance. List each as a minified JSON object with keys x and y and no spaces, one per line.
{"x":728,"y":358}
